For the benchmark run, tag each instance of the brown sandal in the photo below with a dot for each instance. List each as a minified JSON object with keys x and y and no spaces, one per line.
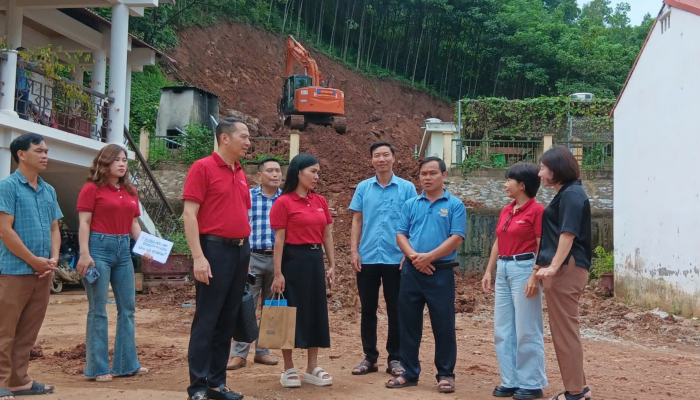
{"x":448,"y":387}
{"x":365,"y":368}
{"x":395,"y":369}
{"x":396,"y":383}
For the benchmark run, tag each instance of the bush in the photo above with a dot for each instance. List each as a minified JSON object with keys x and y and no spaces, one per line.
{"x":177,"y":236}
{"x":603,"y":262}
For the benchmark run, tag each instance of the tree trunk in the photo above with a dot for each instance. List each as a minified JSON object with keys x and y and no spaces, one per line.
{"x":359,"y":42}
{"x":347,"y":35}
{"x":415,"y":65}
{"x":286,"y":10}
{"x":498,"y":72}
{"x":335,"y":18}
{"x":299,"y":16}
{"x":427,"y":62}
{"x":269,"y":14}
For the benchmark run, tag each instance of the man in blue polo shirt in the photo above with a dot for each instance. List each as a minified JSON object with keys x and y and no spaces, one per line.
{"x":432,"y":226}
{"x":377,"y":204}
{"x":29,"y":246}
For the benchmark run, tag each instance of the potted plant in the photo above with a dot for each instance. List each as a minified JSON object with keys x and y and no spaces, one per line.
{"x":603,"y":267}
{"x":70,"y":104}
{"x":179,"y":263}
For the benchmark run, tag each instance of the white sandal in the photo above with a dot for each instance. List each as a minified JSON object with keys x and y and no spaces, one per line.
{"x":290,"y":383}
{"x":314,"y":378}
{"x":103,"y":378}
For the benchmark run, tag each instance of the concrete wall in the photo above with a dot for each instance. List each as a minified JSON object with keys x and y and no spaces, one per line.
{"x":657,"y":199}
{"x":181,"y":106}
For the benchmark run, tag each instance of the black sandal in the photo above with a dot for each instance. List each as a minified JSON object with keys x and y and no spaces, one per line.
{"x":365,"y":368}
{"x":569,"y":396}
{"x":396,"y":384}
{"x":395,"y":369}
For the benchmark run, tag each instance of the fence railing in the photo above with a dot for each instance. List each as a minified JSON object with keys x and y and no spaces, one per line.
{"x":150,"y":193}
{"x":269,"y":146}
{"x":40,"y":100}
{"x":495,"y":153}
{"x":591,"y":155}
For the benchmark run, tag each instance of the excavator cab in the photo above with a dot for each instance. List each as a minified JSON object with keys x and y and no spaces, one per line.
{"x":291,"y":84}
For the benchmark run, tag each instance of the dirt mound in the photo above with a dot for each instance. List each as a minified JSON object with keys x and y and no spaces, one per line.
{"x":245,"y":66}
{"x":166,"y":296}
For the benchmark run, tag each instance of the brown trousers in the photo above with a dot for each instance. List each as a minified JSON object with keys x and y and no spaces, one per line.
{"x":23,"y":303}
{"x":563,"y":291}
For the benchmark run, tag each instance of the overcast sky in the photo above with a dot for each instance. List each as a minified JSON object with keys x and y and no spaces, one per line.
{"x":639,"y":8}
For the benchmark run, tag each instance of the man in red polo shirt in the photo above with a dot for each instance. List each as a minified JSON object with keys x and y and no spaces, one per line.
{"x":217,"y":201}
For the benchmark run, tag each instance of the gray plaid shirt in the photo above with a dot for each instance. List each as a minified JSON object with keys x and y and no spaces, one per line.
{"x":34,"y":211}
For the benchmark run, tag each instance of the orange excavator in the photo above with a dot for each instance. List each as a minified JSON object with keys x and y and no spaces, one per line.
{"x":305,"y":98}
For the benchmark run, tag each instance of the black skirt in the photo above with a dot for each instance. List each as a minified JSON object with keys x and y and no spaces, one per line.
{"x":305,"y":289}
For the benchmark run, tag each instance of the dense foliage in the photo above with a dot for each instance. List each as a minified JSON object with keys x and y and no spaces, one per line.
{"x":457,"y":48}
{"x":499,"y":117}
{"x":145,"y":97}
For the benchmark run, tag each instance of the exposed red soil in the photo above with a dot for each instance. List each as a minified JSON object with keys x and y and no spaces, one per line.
{"x":245,"y":67}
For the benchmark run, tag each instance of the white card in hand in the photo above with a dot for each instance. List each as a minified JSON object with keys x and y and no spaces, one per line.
{"x":158,"y":248}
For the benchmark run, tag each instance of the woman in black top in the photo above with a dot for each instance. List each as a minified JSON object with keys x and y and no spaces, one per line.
{"x":563,"y":261}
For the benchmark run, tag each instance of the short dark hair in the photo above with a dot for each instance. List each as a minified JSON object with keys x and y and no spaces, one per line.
{"x":376,"y":145}
{"x":443,"y":167}
{"x":227,"y":126}
{"x":525,"y":173}
{"x":562,"y":163}
{"x":264,"y":161}
{"x":23,"y":143}
{"x":298,"y":163}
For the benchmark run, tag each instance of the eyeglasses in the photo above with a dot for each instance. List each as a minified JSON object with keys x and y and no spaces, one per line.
{"x":507,"y":224}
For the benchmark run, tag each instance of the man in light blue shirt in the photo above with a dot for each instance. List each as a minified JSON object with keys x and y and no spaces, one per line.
{"x":432,"y":226}
{"x":377,"y":204}
{"x":29,"y":246}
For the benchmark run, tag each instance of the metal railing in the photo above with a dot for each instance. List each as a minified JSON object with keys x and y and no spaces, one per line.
{"x":266,"y":146}
{"x":591,"y":155}
{"x":496,"y":153}
{"x":168,"y":148}
{"x":150,"y":193}
{"x":39,"y":100}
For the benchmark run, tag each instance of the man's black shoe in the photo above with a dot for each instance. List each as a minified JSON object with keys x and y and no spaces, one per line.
{"x":501,"y":391}
{"x":528,"y":394}
{"x":223,"y":393}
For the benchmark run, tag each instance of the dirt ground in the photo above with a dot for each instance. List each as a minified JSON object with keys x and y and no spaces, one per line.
{"x":630,"y":353}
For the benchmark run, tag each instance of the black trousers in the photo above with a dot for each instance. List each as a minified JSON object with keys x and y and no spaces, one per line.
{"x":368,"y":282}
{"x":215,"y":314}
{"x":438,"y":292}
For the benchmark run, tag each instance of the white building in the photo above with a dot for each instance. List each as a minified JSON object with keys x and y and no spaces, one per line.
{"x":657,"y":197}
{"x":73,"y":141}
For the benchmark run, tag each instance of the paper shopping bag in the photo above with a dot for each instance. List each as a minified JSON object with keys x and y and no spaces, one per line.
{"x":277,"y":326}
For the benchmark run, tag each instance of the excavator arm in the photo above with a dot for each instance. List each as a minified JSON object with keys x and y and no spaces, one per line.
{"x":297,"y":52}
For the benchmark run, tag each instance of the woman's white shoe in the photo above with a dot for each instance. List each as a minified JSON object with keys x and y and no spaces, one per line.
{"x":286,"y":380}
{"x":315,"y":378}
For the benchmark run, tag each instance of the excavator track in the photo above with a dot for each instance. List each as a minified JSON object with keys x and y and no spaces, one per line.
{"x":339,"y":124}
{"x":297,"y":122}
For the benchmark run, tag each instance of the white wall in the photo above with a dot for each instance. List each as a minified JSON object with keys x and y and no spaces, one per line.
{"x":656,"y":191}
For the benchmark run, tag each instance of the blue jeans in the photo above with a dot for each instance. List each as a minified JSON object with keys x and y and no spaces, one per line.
{"x":112,"y":257}
{"x":518,"y":327}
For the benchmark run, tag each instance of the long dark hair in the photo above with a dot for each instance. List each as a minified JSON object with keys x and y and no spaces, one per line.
{"x":298,"y":164}
{"x":99,"y":171}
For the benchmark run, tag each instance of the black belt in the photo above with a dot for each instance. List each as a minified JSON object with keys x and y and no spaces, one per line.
{"x":306,"y":246}
{"x":518,"y":257}
{"x":223,"y":240}
{"x":445,"y":264}
{"x":265,"y":252}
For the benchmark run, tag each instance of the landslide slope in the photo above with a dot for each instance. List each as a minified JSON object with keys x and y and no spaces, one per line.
{"x":245,"y":66}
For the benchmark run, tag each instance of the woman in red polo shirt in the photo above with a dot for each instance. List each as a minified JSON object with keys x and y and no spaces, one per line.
{"x":517,"y":322}
{"x":303,"y":229}
{"x":108,"y":208}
